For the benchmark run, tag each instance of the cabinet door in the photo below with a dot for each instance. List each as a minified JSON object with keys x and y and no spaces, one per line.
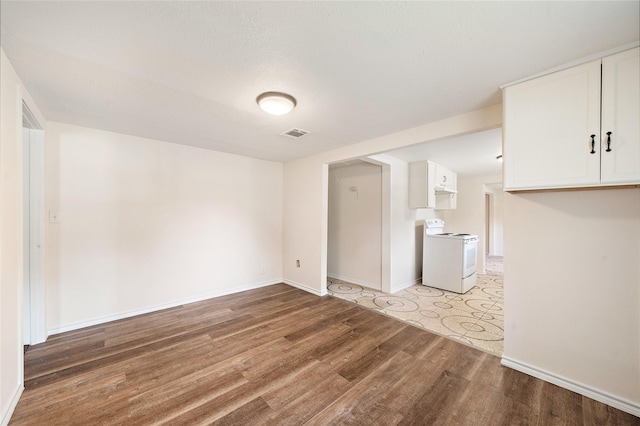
{"x":621,"y":117}
{"x":443,"y":177}
{"x":548,"y":123}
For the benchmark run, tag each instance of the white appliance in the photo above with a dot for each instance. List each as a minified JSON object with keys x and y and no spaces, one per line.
{"x":448,"y":260}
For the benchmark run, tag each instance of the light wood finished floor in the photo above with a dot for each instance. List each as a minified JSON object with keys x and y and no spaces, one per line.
{"x":279,"y":355}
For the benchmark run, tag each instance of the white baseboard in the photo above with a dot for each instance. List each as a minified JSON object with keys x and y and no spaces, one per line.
{"x":589,"y":392}
{"x":306,"y":288}
{"x":355,"y":281}
{"x":394,"y":288}
{"x":14,"y":401}
{"x":397,"y":288}
{"x":173,"y":304}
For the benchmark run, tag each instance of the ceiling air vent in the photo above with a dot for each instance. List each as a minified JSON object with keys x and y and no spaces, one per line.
{"x":295,"y":133}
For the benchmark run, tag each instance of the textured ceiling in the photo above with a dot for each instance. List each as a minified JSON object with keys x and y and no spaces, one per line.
{"x":189,"y":72}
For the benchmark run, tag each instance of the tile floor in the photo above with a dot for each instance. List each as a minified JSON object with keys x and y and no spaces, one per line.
{"x":474,"y":318}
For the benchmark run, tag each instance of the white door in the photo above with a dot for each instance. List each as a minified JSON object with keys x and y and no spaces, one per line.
{"x":620,"y":146}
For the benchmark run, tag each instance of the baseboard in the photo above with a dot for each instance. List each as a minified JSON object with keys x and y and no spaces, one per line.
{"x":129,"y":314}
{"x":396,"y":289}
{"x":6,"y":417}
{"x":589,"y":392}
{"x":354,"y":281}
{"x":306,"y":288}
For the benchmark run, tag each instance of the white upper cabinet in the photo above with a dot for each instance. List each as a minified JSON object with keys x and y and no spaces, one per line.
{"x":553,"y":134}
{"x":431,"y":186}
{"x":445,"y":179}
{"x":548,"y":123}
{"x":620,"y":146}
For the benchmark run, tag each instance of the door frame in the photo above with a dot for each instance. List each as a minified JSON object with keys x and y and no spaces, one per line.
{"x":33,"y":250}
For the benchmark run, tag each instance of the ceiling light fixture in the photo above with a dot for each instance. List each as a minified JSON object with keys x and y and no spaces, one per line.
{"x":276,"y":103}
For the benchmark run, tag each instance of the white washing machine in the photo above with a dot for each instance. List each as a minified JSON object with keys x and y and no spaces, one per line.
{"x":448,"y":260}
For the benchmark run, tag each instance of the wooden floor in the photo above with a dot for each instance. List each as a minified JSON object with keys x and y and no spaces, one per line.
{"x":279,"y":355}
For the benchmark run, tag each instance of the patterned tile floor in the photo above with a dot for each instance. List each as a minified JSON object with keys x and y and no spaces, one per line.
{"x":474,"y":318}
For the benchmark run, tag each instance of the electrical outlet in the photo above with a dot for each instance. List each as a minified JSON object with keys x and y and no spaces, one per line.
{"x":262,"y":270}
{"x":298,"y":263}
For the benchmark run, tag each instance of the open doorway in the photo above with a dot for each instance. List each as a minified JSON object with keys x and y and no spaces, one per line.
{"x":355,"y":217}
{"x":493,"y":219}
{"x":33,"y":229}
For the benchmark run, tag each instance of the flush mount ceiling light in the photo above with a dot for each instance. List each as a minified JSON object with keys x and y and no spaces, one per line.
{"x":276,"y":103}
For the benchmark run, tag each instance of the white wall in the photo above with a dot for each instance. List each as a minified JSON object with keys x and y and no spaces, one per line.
{"x":11,"y":235}
{"x":146,"y":224}
{"x":355,"y":224}
{"x":572,"y":289}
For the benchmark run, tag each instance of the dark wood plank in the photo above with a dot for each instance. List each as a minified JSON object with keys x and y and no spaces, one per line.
{"x":309,"y":401}
{"x":446,"y":393}
{"x":356,"y":404}
{"x":560,"y":406}
{"x":253,"y":411}
{"x":601,"y":414}
{"x":278,"y":355}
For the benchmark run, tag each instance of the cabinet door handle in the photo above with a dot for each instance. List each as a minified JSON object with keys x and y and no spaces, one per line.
{"x":608,"y":141}
{"x":593,"y":144}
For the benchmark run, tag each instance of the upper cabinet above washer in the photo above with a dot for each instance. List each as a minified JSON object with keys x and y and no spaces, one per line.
{"x":579,"y":127}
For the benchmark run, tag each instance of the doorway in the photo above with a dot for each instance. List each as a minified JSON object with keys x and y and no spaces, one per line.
{"x":33,"y":229}
{"x":355,"y":231}
{"x":493,"y":201}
